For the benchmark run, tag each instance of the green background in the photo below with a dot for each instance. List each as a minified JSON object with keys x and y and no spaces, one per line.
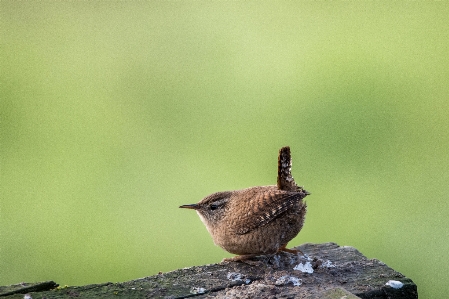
{"x":115,"y":113}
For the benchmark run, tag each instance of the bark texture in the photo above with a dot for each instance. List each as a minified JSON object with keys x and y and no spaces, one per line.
{"x":327,"y":271}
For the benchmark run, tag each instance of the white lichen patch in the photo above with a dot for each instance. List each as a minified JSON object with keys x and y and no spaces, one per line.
{"x":27,"y":296}
{"x":234,"y":276}
{"x":276,"y":260}
{"x":305,"y":268}
{"x":195,"y":290}
{"x":327,"y":264}
{"x":288,"y":279}
{"x":394,"y":284}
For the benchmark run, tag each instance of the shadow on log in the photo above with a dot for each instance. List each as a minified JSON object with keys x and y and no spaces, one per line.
{"x":327,"y":271}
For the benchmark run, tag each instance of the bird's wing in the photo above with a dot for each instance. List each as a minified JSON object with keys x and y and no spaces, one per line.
{"x":267,"y":209}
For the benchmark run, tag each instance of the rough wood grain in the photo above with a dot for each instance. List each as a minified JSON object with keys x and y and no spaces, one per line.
{"x":336,"y":272}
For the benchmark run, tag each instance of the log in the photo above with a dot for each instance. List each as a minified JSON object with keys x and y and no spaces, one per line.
{"x":326,"y":271}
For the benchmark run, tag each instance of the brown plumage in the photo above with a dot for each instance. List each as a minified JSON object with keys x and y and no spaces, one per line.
{"x":256,"y":220}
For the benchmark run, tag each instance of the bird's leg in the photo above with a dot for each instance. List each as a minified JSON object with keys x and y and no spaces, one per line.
{"x":294,"y":251}
{"x":239,"y":258}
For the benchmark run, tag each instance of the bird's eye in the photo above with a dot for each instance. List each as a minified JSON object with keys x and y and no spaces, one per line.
{"x":214,"y":206}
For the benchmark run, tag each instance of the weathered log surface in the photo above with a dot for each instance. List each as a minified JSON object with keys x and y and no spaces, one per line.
{"x":328,"y":271}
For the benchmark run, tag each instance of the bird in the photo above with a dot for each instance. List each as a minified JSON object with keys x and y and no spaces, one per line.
{"x":258,"y":220}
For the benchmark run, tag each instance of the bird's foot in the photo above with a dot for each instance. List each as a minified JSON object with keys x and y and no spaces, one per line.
{"x":294,"y":251}
{"x":241,"y":258}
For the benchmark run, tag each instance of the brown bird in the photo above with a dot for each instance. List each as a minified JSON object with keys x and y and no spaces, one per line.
{"x":257,"y":220}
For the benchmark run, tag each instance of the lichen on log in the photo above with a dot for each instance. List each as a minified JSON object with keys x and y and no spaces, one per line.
{"x":327,"y":271}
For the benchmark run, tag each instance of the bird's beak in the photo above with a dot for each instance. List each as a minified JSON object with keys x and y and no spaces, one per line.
{"x":306,"y":192}
{"x":192,"y":206}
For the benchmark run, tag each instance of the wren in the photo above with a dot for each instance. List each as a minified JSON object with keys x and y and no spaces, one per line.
{"x":258,"y":220}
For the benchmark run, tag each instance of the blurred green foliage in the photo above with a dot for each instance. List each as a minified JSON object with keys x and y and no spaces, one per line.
{"x":115,"y":113}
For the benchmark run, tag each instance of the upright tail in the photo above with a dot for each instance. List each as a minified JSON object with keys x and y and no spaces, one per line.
{"x":285,"y":179}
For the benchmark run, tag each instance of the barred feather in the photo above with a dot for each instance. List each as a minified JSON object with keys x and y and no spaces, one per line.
{"x":271,"y":208}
